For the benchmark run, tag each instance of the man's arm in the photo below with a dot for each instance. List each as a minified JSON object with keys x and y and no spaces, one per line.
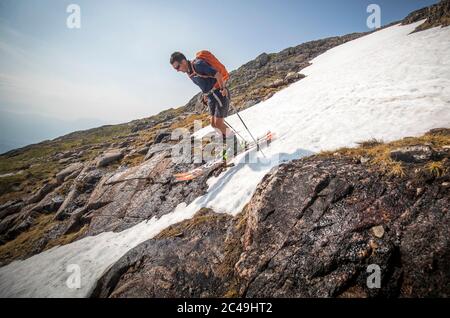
{"x":222,"y":84}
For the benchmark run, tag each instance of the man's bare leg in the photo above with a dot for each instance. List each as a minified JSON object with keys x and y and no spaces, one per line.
{"x":219,"y":125}
{"x":229,"y":138}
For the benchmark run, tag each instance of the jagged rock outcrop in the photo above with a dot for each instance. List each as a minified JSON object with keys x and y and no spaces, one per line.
{"x":435,"y":15}
{"x":312,"y":229}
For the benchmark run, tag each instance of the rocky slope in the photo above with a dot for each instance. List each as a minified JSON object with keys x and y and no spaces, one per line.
{"x":311,"y":230}
{"x":113,"y":177}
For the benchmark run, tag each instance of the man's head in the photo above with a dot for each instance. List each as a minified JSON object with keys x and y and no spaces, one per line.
{"x":179,"y":62}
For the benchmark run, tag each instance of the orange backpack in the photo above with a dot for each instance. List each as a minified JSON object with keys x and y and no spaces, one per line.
{"x":209,"y":58}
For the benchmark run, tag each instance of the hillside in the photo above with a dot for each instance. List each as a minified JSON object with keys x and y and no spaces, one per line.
{"x":107,"y":198}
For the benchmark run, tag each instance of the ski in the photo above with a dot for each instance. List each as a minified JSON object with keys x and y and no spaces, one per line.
{"x":214,"y":164}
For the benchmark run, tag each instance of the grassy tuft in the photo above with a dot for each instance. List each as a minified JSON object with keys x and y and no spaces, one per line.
{"x":436,"y":168}
{"x":378,"y":153}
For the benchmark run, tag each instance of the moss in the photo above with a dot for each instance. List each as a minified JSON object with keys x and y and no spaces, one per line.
{"x":204,"y":215}
{"x":133,"y":160}
{"x":370,"y":143}
{"x":188,"y":122}
{"x":26,"y":242}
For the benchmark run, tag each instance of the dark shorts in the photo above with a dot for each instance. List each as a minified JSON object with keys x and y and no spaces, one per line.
{"x":218,"y":104}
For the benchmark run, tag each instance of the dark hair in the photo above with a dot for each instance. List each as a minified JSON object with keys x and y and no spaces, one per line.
{"x":177,"y":57}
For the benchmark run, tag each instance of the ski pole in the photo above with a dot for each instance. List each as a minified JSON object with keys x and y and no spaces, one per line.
{"x":234,"y":130}
{"x":257,"y":145}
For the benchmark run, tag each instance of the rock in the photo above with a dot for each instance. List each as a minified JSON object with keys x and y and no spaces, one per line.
{"x":24,"y":224}
{"x":65,"y":154}
{"x":166,"y":124}
{"x":124,"y":144}
{"x":155,"y":149}
{"x":80,"y":153}
{"x":80,"y":192}
{"x":162,"y":136}
{"x":412,"y":154}
{"x":75,"y":222}
{"x":262,"y":60}
{"x":293,"y":77}
{"x":10,"y":207}
{"x":378,"y":231}
{"x":10,"y":174}
{"x":51,"y":202}
{"x":250,"y":103}
{"x":283,"y":67}
{"x":138,"y":126}
{"x":62,"y":212}
{"x":101,"y":146}
{"x":275,"y":84}
{"x":142,"y":150}
{"x":269,"y":96}
{"x":108,"y":158}
{"x":6,"y":223}
{"x":71,"y":171}
{"x":39,"y":195}
{"x":65,"y":160}
{"x":439,"y":132}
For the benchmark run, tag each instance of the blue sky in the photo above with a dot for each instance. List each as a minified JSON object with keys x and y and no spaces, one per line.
{"x":115,"y":68}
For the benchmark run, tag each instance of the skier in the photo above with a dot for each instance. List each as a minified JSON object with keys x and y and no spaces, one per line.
{"x":211,"y":76}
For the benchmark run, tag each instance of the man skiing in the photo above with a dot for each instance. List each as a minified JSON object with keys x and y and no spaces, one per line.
{"x":211,"y":76}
